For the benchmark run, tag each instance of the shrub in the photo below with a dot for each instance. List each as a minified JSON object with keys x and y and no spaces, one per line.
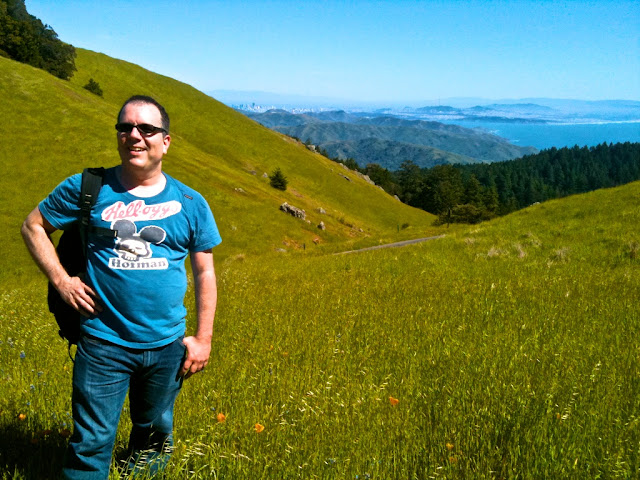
{"x":278,"y":180}
{"x":94,"y":87}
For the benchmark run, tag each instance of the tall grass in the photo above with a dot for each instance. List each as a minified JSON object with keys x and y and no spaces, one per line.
{"x":507,"y":350}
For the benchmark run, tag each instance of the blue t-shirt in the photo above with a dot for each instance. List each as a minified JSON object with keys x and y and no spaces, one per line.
{"x":140,"y":274}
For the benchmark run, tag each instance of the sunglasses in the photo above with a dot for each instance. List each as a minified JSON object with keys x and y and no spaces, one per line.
{"x":144,"y":128}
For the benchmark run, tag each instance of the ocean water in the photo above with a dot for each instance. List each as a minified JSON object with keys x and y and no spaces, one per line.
{"x":544,"y":136}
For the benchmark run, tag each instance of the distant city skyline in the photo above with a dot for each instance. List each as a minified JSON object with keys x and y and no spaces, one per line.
{"x":369,"y":51}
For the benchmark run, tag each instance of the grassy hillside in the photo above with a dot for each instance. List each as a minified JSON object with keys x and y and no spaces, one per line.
{"x":54,"y":128}
{"x":505,"y":350}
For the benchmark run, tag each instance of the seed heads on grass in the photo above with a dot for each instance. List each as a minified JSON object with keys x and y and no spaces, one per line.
{"x":520,"y":250}
{"x":533,"y":240}
{"x":561,"y":255}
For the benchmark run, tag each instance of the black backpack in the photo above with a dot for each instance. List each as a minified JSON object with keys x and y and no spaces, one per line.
{"x":72,"y":251}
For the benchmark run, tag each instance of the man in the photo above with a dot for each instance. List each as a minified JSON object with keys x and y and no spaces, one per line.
{"x":133,"y":293}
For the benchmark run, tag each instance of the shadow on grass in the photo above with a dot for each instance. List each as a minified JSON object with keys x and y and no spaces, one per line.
{"x":31,"y":454}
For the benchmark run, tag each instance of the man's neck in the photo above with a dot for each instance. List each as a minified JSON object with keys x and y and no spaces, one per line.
{"x":142,"y":184}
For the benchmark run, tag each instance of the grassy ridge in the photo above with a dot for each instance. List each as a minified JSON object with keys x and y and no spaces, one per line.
{"x":58,"y":127}
{"x":509,"y":347}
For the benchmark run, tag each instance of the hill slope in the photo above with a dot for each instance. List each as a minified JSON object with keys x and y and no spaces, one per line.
{"x":58,"y":128}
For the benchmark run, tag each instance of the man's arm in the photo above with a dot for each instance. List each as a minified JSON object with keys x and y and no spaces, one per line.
{"x":206,"y":292}
{"x":35,"y":232}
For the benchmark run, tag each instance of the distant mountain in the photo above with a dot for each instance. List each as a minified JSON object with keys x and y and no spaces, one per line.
{"x":390,"y":140}
{"x":282,"y":118}
{"x":391,"y":154}
{"x":522,"y":110}
{"x":534,"y":111}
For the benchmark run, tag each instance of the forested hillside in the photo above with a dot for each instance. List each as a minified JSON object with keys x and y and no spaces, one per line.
{"x":470,"y":193}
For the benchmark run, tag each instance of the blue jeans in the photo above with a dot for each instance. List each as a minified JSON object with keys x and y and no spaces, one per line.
{"x":102,"y":375}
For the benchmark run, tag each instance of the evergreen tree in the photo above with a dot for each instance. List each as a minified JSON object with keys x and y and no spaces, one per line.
{"x":444,"y":189}
{"x":381,"y":176}
{"x":94,"y":87}
{"x":351,"y":164}
{"x":411,"y":182}
{"x":490,"y":200}
{"x":473,"y":192}
{"x":278,"y":180}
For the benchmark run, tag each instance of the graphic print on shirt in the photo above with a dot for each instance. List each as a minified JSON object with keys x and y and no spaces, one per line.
{"x":134,"y":248}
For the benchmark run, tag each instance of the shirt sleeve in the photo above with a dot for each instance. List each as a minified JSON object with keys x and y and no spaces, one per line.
{"x":205,"y":233}
{"x":60,"y":208}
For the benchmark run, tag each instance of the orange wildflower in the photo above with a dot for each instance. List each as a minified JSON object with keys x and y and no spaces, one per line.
{"x":259,"y":427}
{"x":22,"y":417}
{"x":221,"y":417}
{"x":449,"y":446}
{"x":393,"y":401}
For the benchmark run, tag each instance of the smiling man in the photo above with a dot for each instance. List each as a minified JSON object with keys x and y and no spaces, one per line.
{"x":133,"y":337}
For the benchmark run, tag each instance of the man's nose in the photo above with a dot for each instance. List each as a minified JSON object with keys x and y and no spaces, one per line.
{"x":135,"y":132}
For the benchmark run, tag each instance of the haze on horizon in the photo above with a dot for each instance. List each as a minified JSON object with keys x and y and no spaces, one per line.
{"x":373,"y":51}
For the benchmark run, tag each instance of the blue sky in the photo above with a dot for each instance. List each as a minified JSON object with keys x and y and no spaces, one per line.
{"x":369,"y":50}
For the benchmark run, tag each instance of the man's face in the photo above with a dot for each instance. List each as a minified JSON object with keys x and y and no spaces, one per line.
{"x":139,"y":151}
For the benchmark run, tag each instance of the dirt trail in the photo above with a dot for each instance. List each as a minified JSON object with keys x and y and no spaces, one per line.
{"x":393,"y":245}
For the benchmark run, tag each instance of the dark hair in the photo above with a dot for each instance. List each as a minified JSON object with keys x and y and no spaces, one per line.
{"x":144,"y":99}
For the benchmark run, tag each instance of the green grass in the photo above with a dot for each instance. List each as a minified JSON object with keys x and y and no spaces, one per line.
{"x":510,"y":347}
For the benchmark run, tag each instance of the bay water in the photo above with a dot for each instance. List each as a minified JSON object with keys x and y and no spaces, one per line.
{"x":542,"y":136}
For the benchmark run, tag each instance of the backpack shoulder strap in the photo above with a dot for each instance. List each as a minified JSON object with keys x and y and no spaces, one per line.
{"x":89,"y":190}
{"x":92,"y":179}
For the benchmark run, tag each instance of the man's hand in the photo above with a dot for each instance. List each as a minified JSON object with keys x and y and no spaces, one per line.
{"x":36,"y":231}
{"x":197,"y":356}
{"x":80,"y":296}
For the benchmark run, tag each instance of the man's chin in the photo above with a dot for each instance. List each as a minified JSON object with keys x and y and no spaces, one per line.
{"x":135,"y":162}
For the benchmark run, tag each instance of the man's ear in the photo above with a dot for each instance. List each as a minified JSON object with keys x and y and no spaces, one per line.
{"x":166,"y":141}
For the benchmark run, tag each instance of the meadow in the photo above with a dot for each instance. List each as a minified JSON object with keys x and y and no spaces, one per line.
{"x":503,"y":350}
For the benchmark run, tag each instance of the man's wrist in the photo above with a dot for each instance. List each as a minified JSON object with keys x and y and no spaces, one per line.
{"x":204,"y":338}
